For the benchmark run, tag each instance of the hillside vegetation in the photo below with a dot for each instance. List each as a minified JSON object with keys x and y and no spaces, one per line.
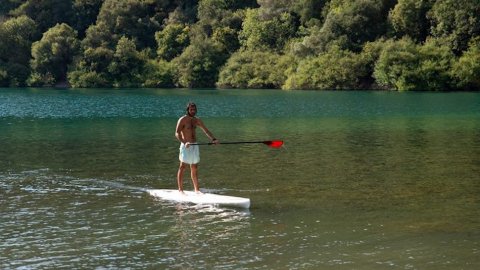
{"x":402,"y":45}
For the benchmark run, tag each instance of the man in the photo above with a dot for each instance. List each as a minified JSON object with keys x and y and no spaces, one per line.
{"x":190,"y":154}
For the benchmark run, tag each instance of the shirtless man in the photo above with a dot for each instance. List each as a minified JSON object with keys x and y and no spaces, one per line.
{"x":190,"y":154}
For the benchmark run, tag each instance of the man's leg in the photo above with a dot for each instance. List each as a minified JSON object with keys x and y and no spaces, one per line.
{"x":181,"y":169}
{"x":193,"y":172}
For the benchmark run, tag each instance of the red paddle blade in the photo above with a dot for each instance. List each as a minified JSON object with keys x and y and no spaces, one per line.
{"x":274,"y":144}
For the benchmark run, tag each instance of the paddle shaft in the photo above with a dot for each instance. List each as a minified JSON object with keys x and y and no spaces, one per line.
{"x":210,"y":143}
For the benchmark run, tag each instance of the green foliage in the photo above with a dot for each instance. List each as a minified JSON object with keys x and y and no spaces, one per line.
{"x":4,"y":79}
{"x":103,"y":67}
{"x":212,"y":11}
{"x":126,"y":65}
{"x":158,"y":73}
{"x":220,"y":21}
{"x":199,"y":64}
{"x":85,"y":79}
{"x":370,"y":54}
{"x":335,"y":69}
{"x":96,"y":59}
{"x":86,"y":12}
{"x":99,"y":35}
{"x":45,"y":79}
{"x":7,"y":5}
{"x":312,"y":44}
{"x":219,"y":13}
{"x":91,"y":69}
{"x":456,"y":20}
{"x":227,"y":38}
{"x":348,"y":24}
{"x":254,"y":69}
{"x":409,"y":17}
{"x":172,"y":40}
{"x":404,"y":65}
{"x":436,"y":63}
{"x":46,"y":13}
{"x":266,"y":34}
{"x":54,"y":52}
{"x":467,"y":69}
{"x":135,"y":19}
{"x":309,"y":11}
{"x":16,"y":37}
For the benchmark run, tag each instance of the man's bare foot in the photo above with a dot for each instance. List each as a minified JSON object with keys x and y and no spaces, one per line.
{"x":181,"y":192}
{"x":198,"y":192}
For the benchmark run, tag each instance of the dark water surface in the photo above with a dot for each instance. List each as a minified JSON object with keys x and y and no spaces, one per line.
{"x":366,"y":180}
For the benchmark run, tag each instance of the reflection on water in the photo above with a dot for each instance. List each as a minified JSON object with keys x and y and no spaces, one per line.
{"x":105,"y":221}
{"x":201,"y":230}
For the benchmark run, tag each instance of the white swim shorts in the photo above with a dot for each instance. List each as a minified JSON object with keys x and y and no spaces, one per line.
{"x":190,"y":155}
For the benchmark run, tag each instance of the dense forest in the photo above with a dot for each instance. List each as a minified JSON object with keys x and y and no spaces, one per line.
{"x":431,"y":45}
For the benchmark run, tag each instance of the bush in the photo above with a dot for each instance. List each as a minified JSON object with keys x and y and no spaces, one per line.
{"x":41,"y":79}
{"x":172,"y":40}
{"x":335,"y":69}
{"x":53,"y":53}
{"x":199,"y":64}
{"x":404,"y":65}
{"x":4,"y":82}
{"x":466,"y":70}
{"x":80,"y":79}
{"x":247,"y":69}
{"x":158,"y":74}
{"x":266,"y":34}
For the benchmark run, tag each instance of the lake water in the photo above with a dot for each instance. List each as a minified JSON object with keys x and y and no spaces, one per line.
{"x":366,"y":180}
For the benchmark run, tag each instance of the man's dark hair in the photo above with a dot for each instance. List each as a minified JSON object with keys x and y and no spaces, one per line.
{"x":190,"y":104}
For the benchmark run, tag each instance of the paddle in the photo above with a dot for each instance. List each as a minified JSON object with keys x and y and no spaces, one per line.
{"x":273,"y":144}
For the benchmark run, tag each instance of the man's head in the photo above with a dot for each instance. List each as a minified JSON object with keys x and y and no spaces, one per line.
{"x":191,"y":109}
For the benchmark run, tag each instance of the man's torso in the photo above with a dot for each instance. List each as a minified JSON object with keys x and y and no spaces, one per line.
{"x":188,"y":127}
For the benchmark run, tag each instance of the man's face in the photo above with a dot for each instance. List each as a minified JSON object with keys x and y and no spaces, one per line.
{"x":192,"y":110}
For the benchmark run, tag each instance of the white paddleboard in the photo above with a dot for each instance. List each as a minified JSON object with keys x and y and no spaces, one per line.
{"x":200,"y":198}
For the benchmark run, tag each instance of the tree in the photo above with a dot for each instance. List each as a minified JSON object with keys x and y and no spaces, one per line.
{"x":404,"y":65}
{"x":16,"y":37}
{"x":348,"y":24}
{"x":158,"y":73}
{"x":310,"y":11}
{"x":98,"y":35}
{"x":334,"y":69}
{"x":455,"y":20}
{"x":7,"y":5}
{"x":409,"y":17}
{"x":266,"y":34}
{"x":212,"y":12}
{"x":199,"y":64}
{"x":134,"y":19}
{"x":126,"y":64}
{"x":221,"y":21}
{"x":4,"y":79}
{"x":254,"y":69}
{"x":46,"y":13}
{"x":53,"y":53}
{"x":172,"y":40}
{"x":273,"y":8}
{"x":269,"y":43}
{"x":370,"y":54}
{"x":91,"y":69}
{"x":466,"y":70}
{"x":86,"y":12}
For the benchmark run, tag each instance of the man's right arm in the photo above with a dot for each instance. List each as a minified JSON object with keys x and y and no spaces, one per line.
{"x":178,"y":130}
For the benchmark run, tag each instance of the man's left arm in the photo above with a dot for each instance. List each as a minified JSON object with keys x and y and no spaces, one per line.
{"x":206,"y":131}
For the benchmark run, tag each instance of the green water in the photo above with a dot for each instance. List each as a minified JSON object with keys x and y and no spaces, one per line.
{"x":366,"y":180}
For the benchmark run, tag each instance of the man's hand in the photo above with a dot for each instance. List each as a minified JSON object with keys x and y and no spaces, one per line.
{"x":215,"y":141}
{"x":187,"y":144}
